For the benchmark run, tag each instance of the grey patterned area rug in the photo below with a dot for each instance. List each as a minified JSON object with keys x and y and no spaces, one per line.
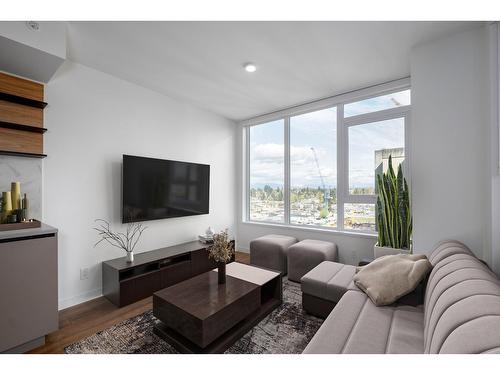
{"x":286,"y":330}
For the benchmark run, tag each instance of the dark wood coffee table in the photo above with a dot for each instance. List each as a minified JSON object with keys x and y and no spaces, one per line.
{"x":201,"y":316}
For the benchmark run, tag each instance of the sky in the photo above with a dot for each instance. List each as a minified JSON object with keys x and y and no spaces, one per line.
{"x":318,"y":130}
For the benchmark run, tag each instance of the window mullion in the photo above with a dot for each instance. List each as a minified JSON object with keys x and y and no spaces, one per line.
{"x":286,"y":186}
{"x":340,"y":167}
{"x":247,"y":173}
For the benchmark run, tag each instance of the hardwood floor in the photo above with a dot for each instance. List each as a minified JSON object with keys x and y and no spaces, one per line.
{"x":78,"y":322}
{"x":243,"y":257}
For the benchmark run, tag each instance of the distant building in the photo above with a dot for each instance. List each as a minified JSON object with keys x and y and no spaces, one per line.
{"x":382,"y":159}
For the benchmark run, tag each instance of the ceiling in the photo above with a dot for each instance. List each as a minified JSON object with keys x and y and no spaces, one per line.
{"x":201,"y":62}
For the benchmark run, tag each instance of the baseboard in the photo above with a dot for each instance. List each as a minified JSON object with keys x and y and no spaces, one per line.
{"x":27,"y":346}
{"x":76,"y":300}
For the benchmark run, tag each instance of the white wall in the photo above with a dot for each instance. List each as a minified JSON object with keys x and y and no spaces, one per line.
{"x":450,"y":145}
{"x":494,"y":142}
{"x":93,"y":119}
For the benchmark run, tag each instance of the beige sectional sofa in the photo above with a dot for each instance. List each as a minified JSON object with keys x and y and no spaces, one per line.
{"x":460,"y":313}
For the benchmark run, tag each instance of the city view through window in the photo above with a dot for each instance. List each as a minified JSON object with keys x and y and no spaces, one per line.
{"x":313,"y":166}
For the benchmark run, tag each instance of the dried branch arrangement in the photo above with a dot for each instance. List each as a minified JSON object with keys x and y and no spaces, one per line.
{"x":125,"y":241}
{"x":222,"y":249}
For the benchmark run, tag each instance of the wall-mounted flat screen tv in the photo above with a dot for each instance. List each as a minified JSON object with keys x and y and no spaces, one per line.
{"x":158,"y":189}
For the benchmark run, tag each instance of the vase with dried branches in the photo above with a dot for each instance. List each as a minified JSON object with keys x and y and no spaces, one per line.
{"x":125,"y":241}
{"x":221,"y":252}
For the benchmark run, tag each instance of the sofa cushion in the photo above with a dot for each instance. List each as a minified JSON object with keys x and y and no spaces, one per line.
{"x":469,"y":325}
{"x":446,"y":267}
{"x":446,"y":248}
{"x":390,"y":277}
{"x":462,"y":303}
{"x":479,"y":336}
{"x":456,"y":269}
{"x":356,"y":325}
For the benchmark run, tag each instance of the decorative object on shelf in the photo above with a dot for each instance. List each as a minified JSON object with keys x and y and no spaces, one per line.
{"x":14,"y":208}
{"x":25,"y":207}
{"x":6,"y":206}
{"x":19,"y":215}
{"x":15,"y":194}
{"x":125,"y":241}
{"x":209,"y":232}
{"x":205,"y":240}
{"x":393,"y":213}
{"x":221,"y":252}
{"x":208,"y":237}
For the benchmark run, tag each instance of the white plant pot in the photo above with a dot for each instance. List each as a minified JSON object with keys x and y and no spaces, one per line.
{"x":380,"y":251}
{"x":130,"y":257}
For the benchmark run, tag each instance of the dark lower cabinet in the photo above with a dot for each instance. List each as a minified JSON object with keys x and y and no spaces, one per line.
{"x":124,"y":283}
{"x":174,"y":273}
{"x":200,"y":262}
{"x":139,"y":287}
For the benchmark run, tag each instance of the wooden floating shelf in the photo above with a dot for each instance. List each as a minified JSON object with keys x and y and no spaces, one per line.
{"x":21,"y":117}
{"x":21,"y":100}
{"x":23,"y":154}
{"x":27,"y":128}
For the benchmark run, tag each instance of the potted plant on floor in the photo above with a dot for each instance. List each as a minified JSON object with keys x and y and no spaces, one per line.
{"x":393,"y":214}
{"x":221,"y":252}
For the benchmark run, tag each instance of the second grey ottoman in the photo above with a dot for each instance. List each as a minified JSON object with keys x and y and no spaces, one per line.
{"x":271,"y":251}
{"x":307,"y":254}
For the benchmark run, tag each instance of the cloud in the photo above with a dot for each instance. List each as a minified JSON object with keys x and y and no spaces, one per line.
{"x":267,"y":163}
{"x":267,"y":159}
{"x":270,"y":152}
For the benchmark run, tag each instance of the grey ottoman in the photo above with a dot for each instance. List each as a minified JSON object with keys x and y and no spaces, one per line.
{"x":307,"y":254}
{"x":271,"y":251}
{"x":324,"y":286}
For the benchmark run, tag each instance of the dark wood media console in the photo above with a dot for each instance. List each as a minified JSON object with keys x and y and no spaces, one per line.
{"x":124,"y":283}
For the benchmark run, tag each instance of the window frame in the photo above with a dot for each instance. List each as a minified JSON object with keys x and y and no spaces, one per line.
{"x":343,"y":125}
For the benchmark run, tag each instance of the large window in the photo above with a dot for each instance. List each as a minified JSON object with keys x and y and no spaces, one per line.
{"x":370,"y":145}
{"x":267,"y":174}
{"x":318,"y":167}
{"x":313,"y":168}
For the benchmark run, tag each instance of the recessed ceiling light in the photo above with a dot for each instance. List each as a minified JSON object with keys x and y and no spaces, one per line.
{"x":250,"y":68}
{"x":33,"y":25}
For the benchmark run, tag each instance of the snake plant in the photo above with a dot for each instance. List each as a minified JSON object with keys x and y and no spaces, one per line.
{"x":393,"y":211}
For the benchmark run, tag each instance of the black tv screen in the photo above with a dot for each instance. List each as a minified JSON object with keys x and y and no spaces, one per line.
{"x":157,"y":189}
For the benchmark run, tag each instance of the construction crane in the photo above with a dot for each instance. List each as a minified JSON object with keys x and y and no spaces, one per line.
{"x":326,"y":198}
